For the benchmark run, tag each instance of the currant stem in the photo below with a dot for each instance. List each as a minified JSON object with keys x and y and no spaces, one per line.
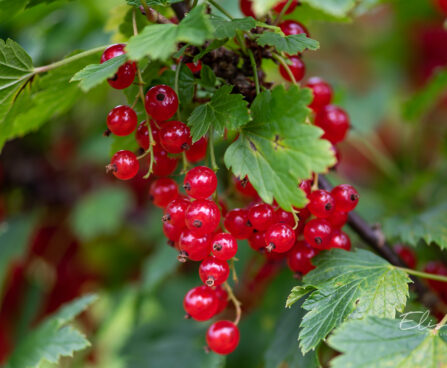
{"x":233,"y":271}
{"x":221,"y":9}
{"x":283,"y":11}
{"x":176,"y":81}
{"x":185,"y":163}
{"x":214,"y":165}
{"x":424,"y":275}
{"x":255,"y":70}
{"x":236,"y":302}
{"x":281,"y":60}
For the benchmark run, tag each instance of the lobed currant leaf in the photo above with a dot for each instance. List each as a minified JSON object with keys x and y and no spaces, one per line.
{"x":291,"y":45}
{"x":278,"y":148}
{"x":227,"y":28}
{"x":137,"y":3}
{"x":348,"y":285}
{"x":225,"y":110}
{"x":383,"y":342}
{"x":207,"y":77}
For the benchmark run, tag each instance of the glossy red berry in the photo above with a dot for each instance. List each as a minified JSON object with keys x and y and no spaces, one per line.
{"x":223,"y":337}
{"x":222,"y":296}
{"x":142,"y":134}
{"x":321,"y":91}
{"x":200,"y":182}
{"x":193,"y":246}
{"x":202,"y":216}
{"x":197,"y":151}
{"x":279,"y":238}
{"x":298,"y":69}
{"x":292,"y":27}
{"x":345,"y":197}
{"x":163,"y":164}
{"x":338,"y":219}
{"x":306,"y":186}
{"x":317,"y":233}
{"x":122,"y":120}
{"x":339,"y":239}
{"x":172,"y":232}
{"x":224,"y":246}
{"x":124,"y":165}
{"x":278,"y":8}
{"x":334,"y":121}
{"x":126,"y":72}
{"x":257,"y":242}
{"x":246,"y":7}
{"x":175,"y":211}
{"x":175,"y":137}
{"x":284,"y":217}
{"x":161,"y":102}
{"x":321,"y":204}
{"x":261,"y":216}
{"x":299,"y":258}
{"x":162,"y":191}
{"x":213,"y":271}
{"x":195,"y":67}
{"x":245,"y":188}
{"x":406,"y":254}
{"x":236,"y":222}
{"x":201,"y":303}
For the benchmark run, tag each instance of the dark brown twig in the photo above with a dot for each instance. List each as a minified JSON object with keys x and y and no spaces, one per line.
{"x":154,"y":16}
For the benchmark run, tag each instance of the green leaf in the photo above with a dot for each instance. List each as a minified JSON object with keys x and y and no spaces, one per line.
{"x":337,"y":8}
{"x":349,"y":285}
{"x":15,"y":235}
{"x":159,"y":41}
{"x":16,"y":68}
{"x":225,"y":110}
{"x":94,"y":74}
{"x":291,"y":45}
{"x":207,"y":77}
{"x":427,"y":97}
{"x":381,"y":343}
{"x":186,"y":83}
{"x":101,"y":212}
{"x":152,"y":2}
{"x":430,"y":226}
{"x":297,"y":293}
{"x":52,"y":339}
{"x":278,"y":149}
{"x":9,"y":8}
{"x":227,"y":28}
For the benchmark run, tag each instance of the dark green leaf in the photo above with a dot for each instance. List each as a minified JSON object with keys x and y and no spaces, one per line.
{"x":278,"y":149}
{"x":152,"y":2}
{"x":94,"y":74}
{"x":159,"y":41}
{"x":381,"y":343}
{"x":186,"y":83}
{"x":291,"y":45}
{"x":8,"y":8}
{"x":297,"y":293}
{"x":225,"y":110}
{"x":158,"y":266}
{"x":228,"y":28}
{"x":207,"y":77}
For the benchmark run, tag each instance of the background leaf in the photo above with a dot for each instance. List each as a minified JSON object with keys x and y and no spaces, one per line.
{"x":224,"y":28}
{"x":291,"y":45}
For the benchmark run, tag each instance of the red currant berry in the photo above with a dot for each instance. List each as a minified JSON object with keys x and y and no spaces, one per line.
{"x":406,"y":254}
{"x":298,"y":69}
{"x":224,"y":246}
{"x":175,"y":137}
{"x":345,"y":197}
{"x":338,"y":219}
{"x":194,"y":247}
{"x":339,"y":239}
{"x":257,"y":242}
{"x":163,"y":164}
{"x":175,"y":212}
{"x":321,"y":204}
{"x":246,"y":7}
{"x":162,"y":191}
{"x":292,"y":27}
{"x":284,"y":217}
{"x":278,"y":8}
{"x":321,"y":91}
{"x":236,"y":222}
{"x":126,"y":72}
{"x":317,"y":233}
{"x":200,"y":182}
{"x":161,"y":102}
{"x":299,"y":258}
{"x":195,"y":67}
{"x":306,"y":186}
{"x":223,"y":337}
{"x":334,"y":121}
{"x":213,"y":271}
{"x":172,"y":232}
{"x":201,"y":303}
{"x":122,"y":120}
{"x":442,"y":5}
{"x":261,"y":216}
{"x":279,"y":238}
{"x":197,"y":151}
{"x":124,"y":165}
{"x":202,"y":216}
{"x":222,"y":296}
{"x":245,"y":188}
{"x":142,"y":134}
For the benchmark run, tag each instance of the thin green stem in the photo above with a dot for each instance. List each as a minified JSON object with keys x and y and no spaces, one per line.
{"x":194,"y":4}
{"x":441,"y":323}
{"x":255,"y":70}
{"x":283,"y":11}
{"x":281,"y":60}
{"x":424,"y":275}
{"x":214,"y":165}
{"x":221,"y":9}
{"x":57,"y":64}
{"x":185,"y":163}
{"x":176,"y":82}
{"x":236,"y":302}
{"x":241,"y":40}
